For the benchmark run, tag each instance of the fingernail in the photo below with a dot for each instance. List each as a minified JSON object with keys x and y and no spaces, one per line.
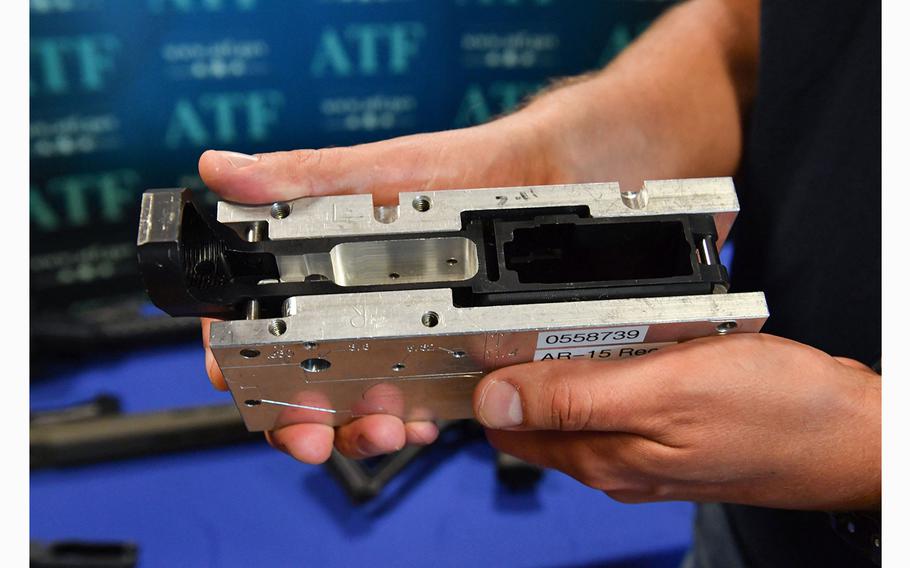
{"x":500,"y":406}
{"x":237,"y":159}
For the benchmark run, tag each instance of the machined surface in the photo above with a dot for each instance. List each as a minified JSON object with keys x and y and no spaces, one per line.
{"x":440,"y":211}
{"x":412,"y":354}
{"x":157,"y":216}
{"x":500,"y":288}
{"x":369,"y":263}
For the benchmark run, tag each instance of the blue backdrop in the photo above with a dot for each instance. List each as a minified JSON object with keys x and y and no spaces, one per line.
{"x":125,"y":95}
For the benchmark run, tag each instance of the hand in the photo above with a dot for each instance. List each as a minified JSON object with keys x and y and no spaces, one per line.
{"x":506,"y":152}
{"x":749,"y":418}
{"x":638,"y":119}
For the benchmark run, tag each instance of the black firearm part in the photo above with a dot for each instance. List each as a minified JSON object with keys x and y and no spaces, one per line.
{"x":194,"y":265}
{"x":82,"y":554}
{"x":116,"y":436}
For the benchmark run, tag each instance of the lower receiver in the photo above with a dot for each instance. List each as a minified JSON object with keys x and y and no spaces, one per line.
{"x":334,"y":308}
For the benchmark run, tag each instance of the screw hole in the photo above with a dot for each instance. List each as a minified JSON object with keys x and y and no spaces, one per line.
{"x":280,"y":210}
{"x":430,"y":319}
{"x":252,"y":402}
{"x":398,"y":367}
{"x":249,"y":353}
{"x":634,"y":199}
{"x":277,"y":327}
{"x":421,"y":204}
{"x":315,"y":365}
{"x":726,"y":327}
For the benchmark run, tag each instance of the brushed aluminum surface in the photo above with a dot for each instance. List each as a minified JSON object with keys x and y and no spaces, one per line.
{"x":412,"y":353}
{"x":405,"y":261}
{"x":438,"y":211}
{"x":348,"y":355}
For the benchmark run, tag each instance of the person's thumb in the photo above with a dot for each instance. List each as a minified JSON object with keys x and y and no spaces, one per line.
{"x":558,"y":395}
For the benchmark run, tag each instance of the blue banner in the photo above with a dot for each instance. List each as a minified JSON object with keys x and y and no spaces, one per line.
{"x":125,"y":95}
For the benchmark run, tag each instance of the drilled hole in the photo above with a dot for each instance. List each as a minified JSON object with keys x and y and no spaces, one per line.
{"x":459,"y":354}
{"x":386,"y":213}
{"x":635,"y":199}
{"x":280,"y":210}
{"x":252,"y":402}
{"x":309,"y":345}
{"x":430,"y":319}
{"x":452,"y":261}
{"x":398,"y":367}
{"x":421,"y":204}
{"x":257,"y":231}
{"x":394,"y":275}
{"x":315,"y":365}
{"x":277,"y":327}
{"x":249,"y":353}
{"x":726,"y":327}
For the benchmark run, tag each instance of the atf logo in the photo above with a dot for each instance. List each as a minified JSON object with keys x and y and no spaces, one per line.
{"x":225,"y":59}
{"x":73,"y":135}
{"x":82,"y":199}
{"x":223,"y":118}
{"x":189,"y":6}
{"x":64,"y":65}
{"x":521,"y":49}
{"x":484,"y":102}
{"x":369,"y":114}
{"x":359,"y":50}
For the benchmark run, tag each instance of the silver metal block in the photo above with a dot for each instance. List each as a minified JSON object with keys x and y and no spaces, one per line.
{"x":440,"y":211}
{"x":413,"y":353}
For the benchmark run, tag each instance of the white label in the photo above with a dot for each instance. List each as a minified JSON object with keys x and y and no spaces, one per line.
{"x":598,"y":352}
{"x":592,"y":337}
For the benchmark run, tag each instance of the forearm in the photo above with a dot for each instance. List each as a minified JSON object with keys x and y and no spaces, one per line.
{"x":864,"y":490}
{"x":670,"y":106}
